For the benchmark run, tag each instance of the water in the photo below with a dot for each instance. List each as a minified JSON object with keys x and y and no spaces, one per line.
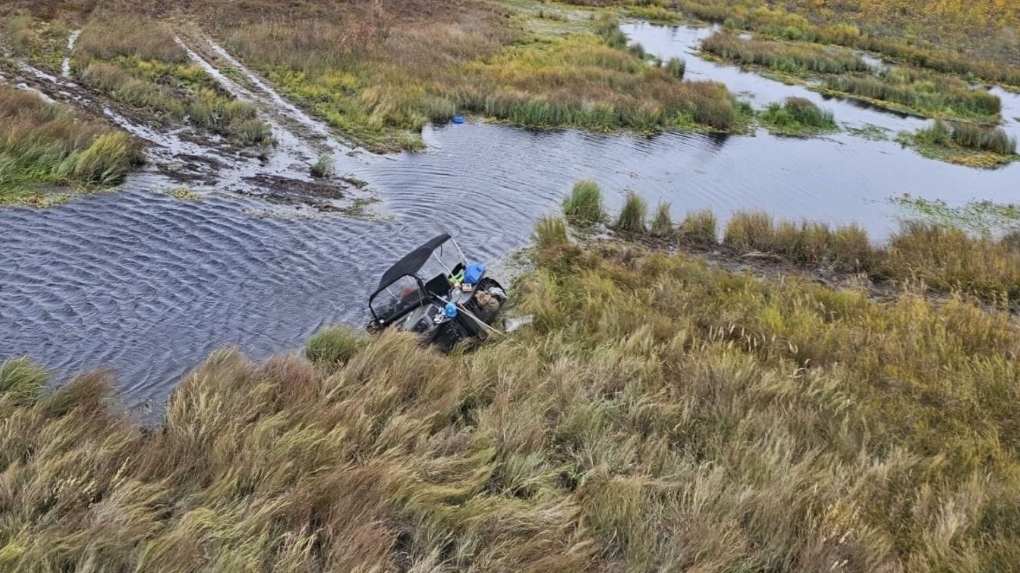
{"x":149,"y":285}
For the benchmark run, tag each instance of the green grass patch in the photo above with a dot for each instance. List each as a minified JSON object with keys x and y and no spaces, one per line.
{"x":797,"y":59}
{"x":797,"y":117}
{"x":584,"y":204}
{"x":533,"y":64}
{"x":963,"y":144}
{"x":654,"y":13}
{"x":920,"y":92}
{"x":45,"y":145}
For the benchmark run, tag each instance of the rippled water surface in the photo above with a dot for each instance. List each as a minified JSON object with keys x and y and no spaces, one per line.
{"x":149,"y":285}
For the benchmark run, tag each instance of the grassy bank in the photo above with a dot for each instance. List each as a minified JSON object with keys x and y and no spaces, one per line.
{"x":935,"y":255}
{"x":658,"y":415}
{"x":43,"y":144}
{"x":797,"y":117}
{"x":963,"y":144}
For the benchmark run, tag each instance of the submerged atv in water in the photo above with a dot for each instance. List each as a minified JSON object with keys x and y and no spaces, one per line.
{"x":434,"y":292}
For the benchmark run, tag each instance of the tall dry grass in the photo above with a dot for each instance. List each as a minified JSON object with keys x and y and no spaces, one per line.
{"x":659,"y":415}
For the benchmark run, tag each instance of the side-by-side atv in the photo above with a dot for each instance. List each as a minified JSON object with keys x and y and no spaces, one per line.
{"x":433,"y":291}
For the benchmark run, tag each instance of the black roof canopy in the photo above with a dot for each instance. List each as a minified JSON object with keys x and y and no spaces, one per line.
{"x":413,"y":261}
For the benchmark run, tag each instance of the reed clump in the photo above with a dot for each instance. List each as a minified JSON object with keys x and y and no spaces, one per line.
{"x":676,"y":67}
{"x":797,"y":116}
{"x":699,"y":228}
{"x":584,"y":204}
{"x":658,"y":414}
{"x":662,"y":222}
{"x":550,"y":231}
{"x":632,"y":216}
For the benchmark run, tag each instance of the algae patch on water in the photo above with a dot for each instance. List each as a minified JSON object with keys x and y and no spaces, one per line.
{"x":986,"y":217}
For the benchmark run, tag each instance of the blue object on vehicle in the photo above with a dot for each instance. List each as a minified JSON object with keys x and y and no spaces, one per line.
{"x":458,"y":119}
{"x":474,"y":273}
{"x":450,"y":311}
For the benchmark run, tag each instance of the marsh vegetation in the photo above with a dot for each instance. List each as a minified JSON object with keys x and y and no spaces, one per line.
{"x":45,"y":143}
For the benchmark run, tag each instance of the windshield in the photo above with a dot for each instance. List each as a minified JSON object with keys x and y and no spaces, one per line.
{"x":396,"y":299}
{"x":446,"y":260}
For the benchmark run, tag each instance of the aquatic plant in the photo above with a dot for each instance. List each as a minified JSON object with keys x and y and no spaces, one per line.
{"x":982,"y":217}
{"x":965,"y":144}
{"x":632,"y":216}
{"x":932,"y":95}
{"x":584,"y":204}
{"x":662,"y":222}
{"x":797,"y":116}
{"x":323,"y":167}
